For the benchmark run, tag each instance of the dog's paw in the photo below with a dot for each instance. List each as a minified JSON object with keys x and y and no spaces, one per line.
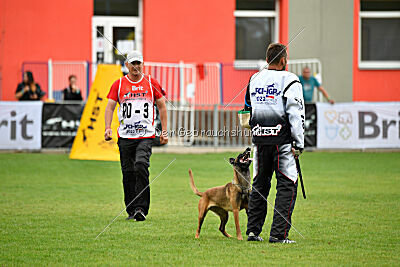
{"x":227,"y":235}
{"x":240,"y":238}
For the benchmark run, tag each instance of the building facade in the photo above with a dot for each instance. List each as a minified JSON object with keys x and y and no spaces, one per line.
{"x":358,"y":42}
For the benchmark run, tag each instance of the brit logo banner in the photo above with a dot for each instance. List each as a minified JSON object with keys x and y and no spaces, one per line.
{"x":20,"y":125}
{"x":358,"y":125}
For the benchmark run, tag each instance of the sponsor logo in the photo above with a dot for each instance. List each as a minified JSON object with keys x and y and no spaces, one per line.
{"x":132,"y":95}
{"x":370,"y":127}
{"x":269,"y":92}
{"x":58,"y":126}
{"x":339,"y":124}
{"x":127,"y":95}
{"x":266,"y":131}
{"x":55,"y":123}
{"x":359,"y":125}
{"x":331,"y":131}
{"x":12,"y":124}
{"x":137,"y":128}
{"x":266,"y":95}
{"x":330,"y":116}
{"x":345,"y":118}
{"x":135,"y":88}
{"x":345,"y":132}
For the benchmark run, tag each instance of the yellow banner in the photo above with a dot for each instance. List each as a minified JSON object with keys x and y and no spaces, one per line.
{"x":89,"y":143}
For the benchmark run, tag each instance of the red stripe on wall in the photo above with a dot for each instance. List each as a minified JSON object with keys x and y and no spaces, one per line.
{"x":284,"y":21}
{"x":39,"y":30}
{"x":372,"y":85}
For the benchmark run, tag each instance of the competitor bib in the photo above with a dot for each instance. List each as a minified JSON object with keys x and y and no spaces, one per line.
{"x":136,"y":110}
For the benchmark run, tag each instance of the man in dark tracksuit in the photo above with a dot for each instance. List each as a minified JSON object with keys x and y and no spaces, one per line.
{"x":275,"y":99}
{"x":136,"y":93}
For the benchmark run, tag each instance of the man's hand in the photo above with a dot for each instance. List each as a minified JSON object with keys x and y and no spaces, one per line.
{"x":296,"y":150}
{"x":108,"y":115}
{"x":331,"y":101}
{"x":162,"y":108}
{"x":164,"y":137}
{"x":108,"y":134}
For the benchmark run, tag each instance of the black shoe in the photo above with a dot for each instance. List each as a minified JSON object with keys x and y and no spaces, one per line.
{"x":139,"y":215}
{"x":253,"y":237}
{"x":283,"y":241}
{"x":130,"y":217}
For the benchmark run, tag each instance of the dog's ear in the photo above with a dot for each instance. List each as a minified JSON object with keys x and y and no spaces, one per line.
{"x":232,"y":160}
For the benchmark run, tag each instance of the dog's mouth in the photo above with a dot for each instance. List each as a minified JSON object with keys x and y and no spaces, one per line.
{"x":244,"y":161}
{"x":246,"y":157}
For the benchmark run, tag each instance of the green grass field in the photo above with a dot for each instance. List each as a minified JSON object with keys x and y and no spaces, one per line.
{"x":52,"y":208}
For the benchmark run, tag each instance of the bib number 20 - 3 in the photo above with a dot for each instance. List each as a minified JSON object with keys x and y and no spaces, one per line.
{"x":127,"y":110}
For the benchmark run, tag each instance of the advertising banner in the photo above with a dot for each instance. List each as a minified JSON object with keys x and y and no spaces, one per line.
{"x":358,"y":125}
{"x":310,"y":133}
{"x":89,"y":143}
{"x":59,"y":124}
{"x":20,"y":125}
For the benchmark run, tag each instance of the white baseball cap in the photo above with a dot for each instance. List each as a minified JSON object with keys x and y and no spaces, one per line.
{"x":135,"y":55}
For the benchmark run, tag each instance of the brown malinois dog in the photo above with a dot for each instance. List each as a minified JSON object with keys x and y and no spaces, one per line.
{"x":233,"y":196}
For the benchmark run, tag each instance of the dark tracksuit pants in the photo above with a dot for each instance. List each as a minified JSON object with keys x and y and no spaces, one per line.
{"x":135,"y":162}
{"x":272,"y":158}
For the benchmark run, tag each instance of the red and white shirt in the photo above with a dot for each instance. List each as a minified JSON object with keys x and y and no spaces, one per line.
{"x":136,"y":112}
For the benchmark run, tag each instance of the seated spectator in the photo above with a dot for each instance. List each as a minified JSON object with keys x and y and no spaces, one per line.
{"x":72,"y":92}
{"x":28,"y":90}
{"x":309,"y":82}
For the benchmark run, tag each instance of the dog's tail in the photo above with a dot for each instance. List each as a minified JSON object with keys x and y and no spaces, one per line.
{"x":194,"y":188}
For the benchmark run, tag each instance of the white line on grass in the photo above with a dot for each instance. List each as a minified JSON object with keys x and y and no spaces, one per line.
{"x":266,"y":66}
{"x":266,"y":200}
{"x":135,"y":198}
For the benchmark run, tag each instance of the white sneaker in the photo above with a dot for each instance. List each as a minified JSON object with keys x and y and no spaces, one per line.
{"x":283,"y":241}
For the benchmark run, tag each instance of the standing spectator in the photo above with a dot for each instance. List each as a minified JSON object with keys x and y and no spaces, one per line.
{"x":309,"y":82}
{"x":72,"y":92}
{"x":28,"y":90}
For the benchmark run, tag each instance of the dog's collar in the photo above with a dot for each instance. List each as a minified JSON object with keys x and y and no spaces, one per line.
{"x":244,"y":189}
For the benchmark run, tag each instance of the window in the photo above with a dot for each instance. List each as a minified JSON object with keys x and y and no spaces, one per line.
{"x":116,"y":29}
{"x":256,"y":27}
{"x":116,"y":8}
{"x":379,"y":29}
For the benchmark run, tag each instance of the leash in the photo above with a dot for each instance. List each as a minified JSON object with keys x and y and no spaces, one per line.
{"x":300,"y":176}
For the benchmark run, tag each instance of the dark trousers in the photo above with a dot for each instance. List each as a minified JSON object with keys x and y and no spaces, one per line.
{"x":135,"y":162}
{"x":270,"y":159}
